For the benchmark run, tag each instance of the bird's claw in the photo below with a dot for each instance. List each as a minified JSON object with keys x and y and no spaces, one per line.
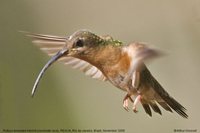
{"x":135,"y":109}
{"x":125,"y":102}
{"x":127,"y":98}
{"x":137,"y":99}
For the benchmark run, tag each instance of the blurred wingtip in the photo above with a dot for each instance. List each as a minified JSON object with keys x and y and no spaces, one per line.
{"x":149,"y":53}
{"x":22,"y":31}
{"x":26,"y":33}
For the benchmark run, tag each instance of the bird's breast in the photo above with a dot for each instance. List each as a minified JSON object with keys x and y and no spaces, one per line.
{"x":117,"y":72}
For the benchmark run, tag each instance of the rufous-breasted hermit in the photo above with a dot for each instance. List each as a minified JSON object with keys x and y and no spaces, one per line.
{"x":107,"y":59}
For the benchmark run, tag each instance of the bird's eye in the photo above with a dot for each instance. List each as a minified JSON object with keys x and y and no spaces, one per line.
{"x":79,"y":43}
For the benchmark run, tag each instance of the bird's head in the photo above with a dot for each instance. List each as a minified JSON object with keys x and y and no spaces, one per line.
{"x":80,"y":44}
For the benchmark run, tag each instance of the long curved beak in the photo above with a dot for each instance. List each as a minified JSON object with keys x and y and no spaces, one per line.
{"x":47,"y":65}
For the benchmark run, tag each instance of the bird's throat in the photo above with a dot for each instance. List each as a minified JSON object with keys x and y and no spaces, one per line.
{"x":109,"y":59}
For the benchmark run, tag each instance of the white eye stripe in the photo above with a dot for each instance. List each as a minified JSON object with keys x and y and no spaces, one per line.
{"x":70,"y":37}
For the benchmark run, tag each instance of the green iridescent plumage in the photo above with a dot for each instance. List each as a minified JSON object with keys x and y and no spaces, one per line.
{"x":100,"y":40}
{"x":108,"y":40}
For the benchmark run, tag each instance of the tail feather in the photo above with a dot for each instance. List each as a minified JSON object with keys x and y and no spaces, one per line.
{"x":146,"y":107}
{"x":176,"y":106}
{"x":165,"y":106}
{"x":169,"y":100}
{"x":155,"y":107}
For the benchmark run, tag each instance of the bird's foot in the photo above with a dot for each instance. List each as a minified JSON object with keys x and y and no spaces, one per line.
{"x":137,"y":99}
{"x":125,"y":102}
{"x":135,"y":109}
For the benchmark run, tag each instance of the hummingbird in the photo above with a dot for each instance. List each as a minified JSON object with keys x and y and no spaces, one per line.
{"x":108,"y":59}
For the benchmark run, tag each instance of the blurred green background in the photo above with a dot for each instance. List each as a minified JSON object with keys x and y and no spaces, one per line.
{"x":67,"y":98}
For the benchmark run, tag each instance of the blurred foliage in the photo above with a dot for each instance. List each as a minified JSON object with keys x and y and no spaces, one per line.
{"x":68,"y":99}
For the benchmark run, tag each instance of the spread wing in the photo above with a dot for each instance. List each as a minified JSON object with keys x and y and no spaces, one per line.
{"x":52,"y":44}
